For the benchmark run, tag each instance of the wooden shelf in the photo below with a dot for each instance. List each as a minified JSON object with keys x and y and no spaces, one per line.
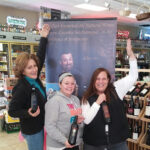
{"x":127,"y":70}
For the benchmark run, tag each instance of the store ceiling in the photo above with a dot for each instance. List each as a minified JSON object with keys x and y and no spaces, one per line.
{"x":68,"y":5}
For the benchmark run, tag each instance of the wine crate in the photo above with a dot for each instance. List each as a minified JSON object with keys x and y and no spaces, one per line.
{"x":10,"y":119}
{"x":12,"y":127}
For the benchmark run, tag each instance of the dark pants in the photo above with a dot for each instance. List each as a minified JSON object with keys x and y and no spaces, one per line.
{"x":74,"y":148}
{"x":118,"y":146}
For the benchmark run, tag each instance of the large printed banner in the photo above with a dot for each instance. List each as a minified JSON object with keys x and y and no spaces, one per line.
{"x":79,"y":47}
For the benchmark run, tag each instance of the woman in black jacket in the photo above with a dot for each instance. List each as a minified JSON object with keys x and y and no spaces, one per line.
{"x":27,"y":70}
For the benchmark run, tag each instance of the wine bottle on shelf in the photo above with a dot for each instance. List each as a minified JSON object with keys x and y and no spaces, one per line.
{"x":136,"y":106}
{"x":144,"y":92}
{"x":131,"y":90}
{"x":106,"y":113}
{"x":148,"y":134}
{"x":34,"y":102}
{"x":135,"y":134}
{"x":147,"y":110}
{"x":139,"y":89}
{"x":130,"y":127}
{"x":73,"y":132}
{"x":130,"y":109}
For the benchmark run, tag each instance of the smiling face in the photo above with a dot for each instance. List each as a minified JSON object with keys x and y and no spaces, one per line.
{"x":66,"y":62}
{"x":67,"y":86}
{"x":31,"y":69}
{"x":101,"y":82}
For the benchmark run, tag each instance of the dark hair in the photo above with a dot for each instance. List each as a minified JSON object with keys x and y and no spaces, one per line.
{"x":22,"y":61}
{"x":92,"y":90}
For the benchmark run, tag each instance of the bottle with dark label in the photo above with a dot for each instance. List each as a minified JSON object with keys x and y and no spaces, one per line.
{"x":106,"y":113}
{"x":136,"y":107}
{"x":73,"y":132}
{"x":148,"y":134}
{"x":130,"y":109}
{"x":34,"y":102}
{"x":130,"y":128}
{"x":147,"y":110}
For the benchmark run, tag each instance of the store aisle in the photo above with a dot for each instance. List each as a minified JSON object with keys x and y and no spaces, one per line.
{"x":11,"y":142}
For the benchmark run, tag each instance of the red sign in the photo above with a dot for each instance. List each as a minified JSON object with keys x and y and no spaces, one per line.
{"x":122,"y":34}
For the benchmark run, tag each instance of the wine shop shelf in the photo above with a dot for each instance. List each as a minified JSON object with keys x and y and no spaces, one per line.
{"x":143,"y":142}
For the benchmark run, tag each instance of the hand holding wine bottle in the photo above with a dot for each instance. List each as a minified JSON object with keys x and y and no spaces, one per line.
{"x":101,"y":98}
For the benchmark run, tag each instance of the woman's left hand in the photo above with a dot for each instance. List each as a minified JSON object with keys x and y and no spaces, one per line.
{"x":45,"y":30}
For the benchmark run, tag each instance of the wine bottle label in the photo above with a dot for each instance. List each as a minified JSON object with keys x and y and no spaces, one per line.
{"x":144,"y":91}
{"x":130,"y":111}
{"x":136,"y":111}
{"x":147,"y":111}
{"x":135,"y":136}
{"x":132,"y":88}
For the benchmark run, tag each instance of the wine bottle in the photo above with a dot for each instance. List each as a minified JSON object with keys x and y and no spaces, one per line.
{"x":34,"y":103}
{"x":147,"y":110}
{"x":73,"y":132}
{"x":144,"y":92}
{"x":106,"y":113}
{"x":139,"y":89}
{"x":135,"y":134}
{"x":136,"y":107}
{"x":131,"y":90}
{"x":148,"y":134}
{"x":130,"y":128}
{"x":130,"y":109}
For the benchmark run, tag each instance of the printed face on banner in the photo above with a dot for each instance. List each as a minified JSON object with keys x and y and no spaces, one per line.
{"x":79,"y":47}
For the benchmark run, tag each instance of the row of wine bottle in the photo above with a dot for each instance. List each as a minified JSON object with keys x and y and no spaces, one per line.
{"x":139,"y":90}
{"x":134,"y":106}
{"x":135,"y":130}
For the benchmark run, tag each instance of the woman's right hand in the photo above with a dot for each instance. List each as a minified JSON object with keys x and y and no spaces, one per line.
{"x":101,"y":98}
{"x":34,"y":114}
{"x":67,"y":145}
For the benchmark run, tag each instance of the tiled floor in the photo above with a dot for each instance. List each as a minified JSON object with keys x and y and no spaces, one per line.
{"x":11,"y":141}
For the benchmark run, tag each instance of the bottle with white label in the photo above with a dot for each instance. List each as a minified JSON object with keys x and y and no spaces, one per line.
{"x":135,"y":133}
{"x":147,"y":110}
{"x":136,"y":107}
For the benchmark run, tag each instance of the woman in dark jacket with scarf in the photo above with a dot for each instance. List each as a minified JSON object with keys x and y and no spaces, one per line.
{"x":27,"y":70}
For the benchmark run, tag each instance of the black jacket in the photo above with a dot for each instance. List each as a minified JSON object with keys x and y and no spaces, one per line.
{"x":21,"y":100}
{"x":94,"y":132}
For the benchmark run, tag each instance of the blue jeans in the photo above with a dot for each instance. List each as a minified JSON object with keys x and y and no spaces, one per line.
{"x":35,"y":141}
{"x":118,"y":146}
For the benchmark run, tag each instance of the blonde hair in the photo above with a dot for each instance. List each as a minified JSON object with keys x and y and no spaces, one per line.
{"x":21,"y":63}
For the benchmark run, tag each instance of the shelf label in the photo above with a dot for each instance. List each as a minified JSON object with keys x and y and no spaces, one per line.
{"x":2,"y":36}
{"x":19,"y":38}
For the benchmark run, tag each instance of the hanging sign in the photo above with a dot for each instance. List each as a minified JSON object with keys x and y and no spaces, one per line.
{"x":16,"y":21}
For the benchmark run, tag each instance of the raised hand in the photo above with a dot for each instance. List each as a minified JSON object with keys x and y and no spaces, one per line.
{"x":129,"y":49}
{"x":45,"y":30}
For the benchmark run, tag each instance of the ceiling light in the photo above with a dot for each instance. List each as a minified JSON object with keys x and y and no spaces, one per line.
{"x":91,"y":7}
{"x":132,"y":16}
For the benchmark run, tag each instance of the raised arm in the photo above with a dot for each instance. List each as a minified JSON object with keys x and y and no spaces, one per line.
{"x":124,"y":84}
{"x":43,"y":44}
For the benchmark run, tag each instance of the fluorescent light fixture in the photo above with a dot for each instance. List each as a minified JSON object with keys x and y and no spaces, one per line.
{"x":132,"y":16}
{"x":91,"y":7}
